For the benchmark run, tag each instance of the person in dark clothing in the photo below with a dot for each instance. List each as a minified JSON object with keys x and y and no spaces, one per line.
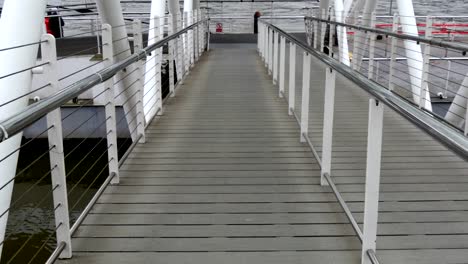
{"x":54,"y":24}
{"x":256,"y":16}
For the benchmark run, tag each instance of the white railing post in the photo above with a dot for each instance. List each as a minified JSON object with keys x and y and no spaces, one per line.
{"x":57,"y":159}
{"x":305,"y":97}
{"x":323,"y":30}
{"x":315,"y":23}
{"x":356,"y":63}
{"x":171,"y":50}
{"x":182,"y":45}
{"x":275,"y":56}
{"x":111,"y":120}
{"x":259,"y":39}
{"x":372,"y":39}
{"x":267,"y":47}
{"x":331,"y":32}
{"x":371,"y":200}
{"x":426,"y":63}
{"x":292,"y":78}
{"x":328,"y":116}
{"x":196,"y":36}
{"x":270,"y":51}
{"x":282,"y":62}
{"x":188,"y":45}
{"x":158,"y":62}
{"x":393,"y":50}
{"x":466,"y":119}
{"x":137,"y":46}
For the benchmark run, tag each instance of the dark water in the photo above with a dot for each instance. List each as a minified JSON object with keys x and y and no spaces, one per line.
{"x":30,"y":234}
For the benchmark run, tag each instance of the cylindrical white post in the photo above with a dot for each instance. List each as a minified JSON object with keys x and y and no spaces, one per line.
{"x":328,"y":115}
{"x":292,"y":78}
{"x":305,"y":97}
{"x":342,"y":33}
{"x":359,"y":36}
{"x":21,"y":23}
{"x":413,"y":52}
{"x":140,"y":118}
{"x":111,"y":13}
{"x":371,"y":200}
{"x":174,"y":11}
{"x":282,"y":62}
{"x":426,"y":64}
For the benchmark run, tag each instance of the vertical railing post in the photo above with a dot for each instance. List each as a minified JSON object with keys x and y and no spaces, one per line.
{"x":305,"y":97}
{"x":171,"y":50}
{"x":331,"y":32}
{"x":466,"y":119}
{"x":195,"y":37}
{"x":138,"y":46}
{"x":182,"y":48}
{"x":275,"y":56}
{"x":111,"y":120}
{"x":270,"y":51}
{"x":188,"y":44}
{"x":328,"y":116}
{"x":323,"y":30}
{"x":372,"y":39}
{"x":259,"y":39}
{"x":315,"y":34}
{"x":282,"y":62}
{"x":292,"y":78}
{"x":393,"y":50}
{"x":356,"y":65}
{"x":57,"y":159}
{"x":158,"y":108}
{"x":426,"y":63}
{"x":371,"y":200}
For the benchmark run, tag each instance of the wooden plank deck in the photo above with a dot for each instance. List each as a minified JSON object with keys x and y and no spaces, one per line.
{"x":224,"y":179}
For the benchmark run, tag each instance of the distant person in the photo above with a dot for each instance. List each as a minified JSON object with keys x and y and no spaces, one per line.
{"x":54,"y":24}
{"x":256,"y":16}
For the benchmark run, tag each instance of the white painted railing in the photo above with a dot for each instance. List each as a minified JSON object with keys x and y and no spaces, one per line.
{"x":121,"y":81}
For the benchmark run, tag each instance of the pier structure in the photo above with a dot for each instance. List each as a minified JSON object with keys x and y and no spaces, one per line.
{"x":278,"y":151}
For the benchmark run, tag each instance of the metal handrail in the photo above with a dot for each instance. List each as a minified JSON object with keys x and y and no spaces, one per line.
{"x":441,"y":131}
{"x":434,"y":42}
{"x":19,"y":121}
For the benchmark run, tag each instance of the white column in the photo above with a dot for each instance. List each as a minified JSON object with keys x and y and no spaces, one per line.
{"x":174,"y":10}
{"x":413,"y":51}
{"x":21,"y":23}
{"x":305,"y":97}
{"x":153,"y":62}
{"x":111,"y":13}
{"x":275,"y":56}
{"x":328,"y":116}
{"x":359,"y":36}
{"x":292,"y":78}
{"x":458,"y":110}
{"x":371,"y":200}
{"x":282,"y":62}
{"x":342,"y":33}
{"x":56,"y":154}
{"x":111,"y":125}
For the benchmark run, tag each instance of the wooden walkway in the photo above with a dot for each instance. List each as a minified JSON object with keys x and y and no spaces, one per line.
{"x":224,"y":179}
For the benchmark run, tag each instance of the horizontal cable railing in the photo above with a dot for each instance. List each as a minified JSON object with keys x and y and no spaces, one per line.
{"x":85,"y":149}
{"x":272,"y":42}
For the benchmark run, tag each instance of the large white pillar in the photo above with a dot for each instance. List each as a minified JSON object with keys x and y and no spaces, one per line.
{"x":457,"y":111}
{"x":369,"y":8}
{"x":111,"y":13}
{"x":21,"y":23}
{"x":174,"y":9}
{"x":342,"y":33}
{"x":413,"y":52}
{"x":151,"y":101}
